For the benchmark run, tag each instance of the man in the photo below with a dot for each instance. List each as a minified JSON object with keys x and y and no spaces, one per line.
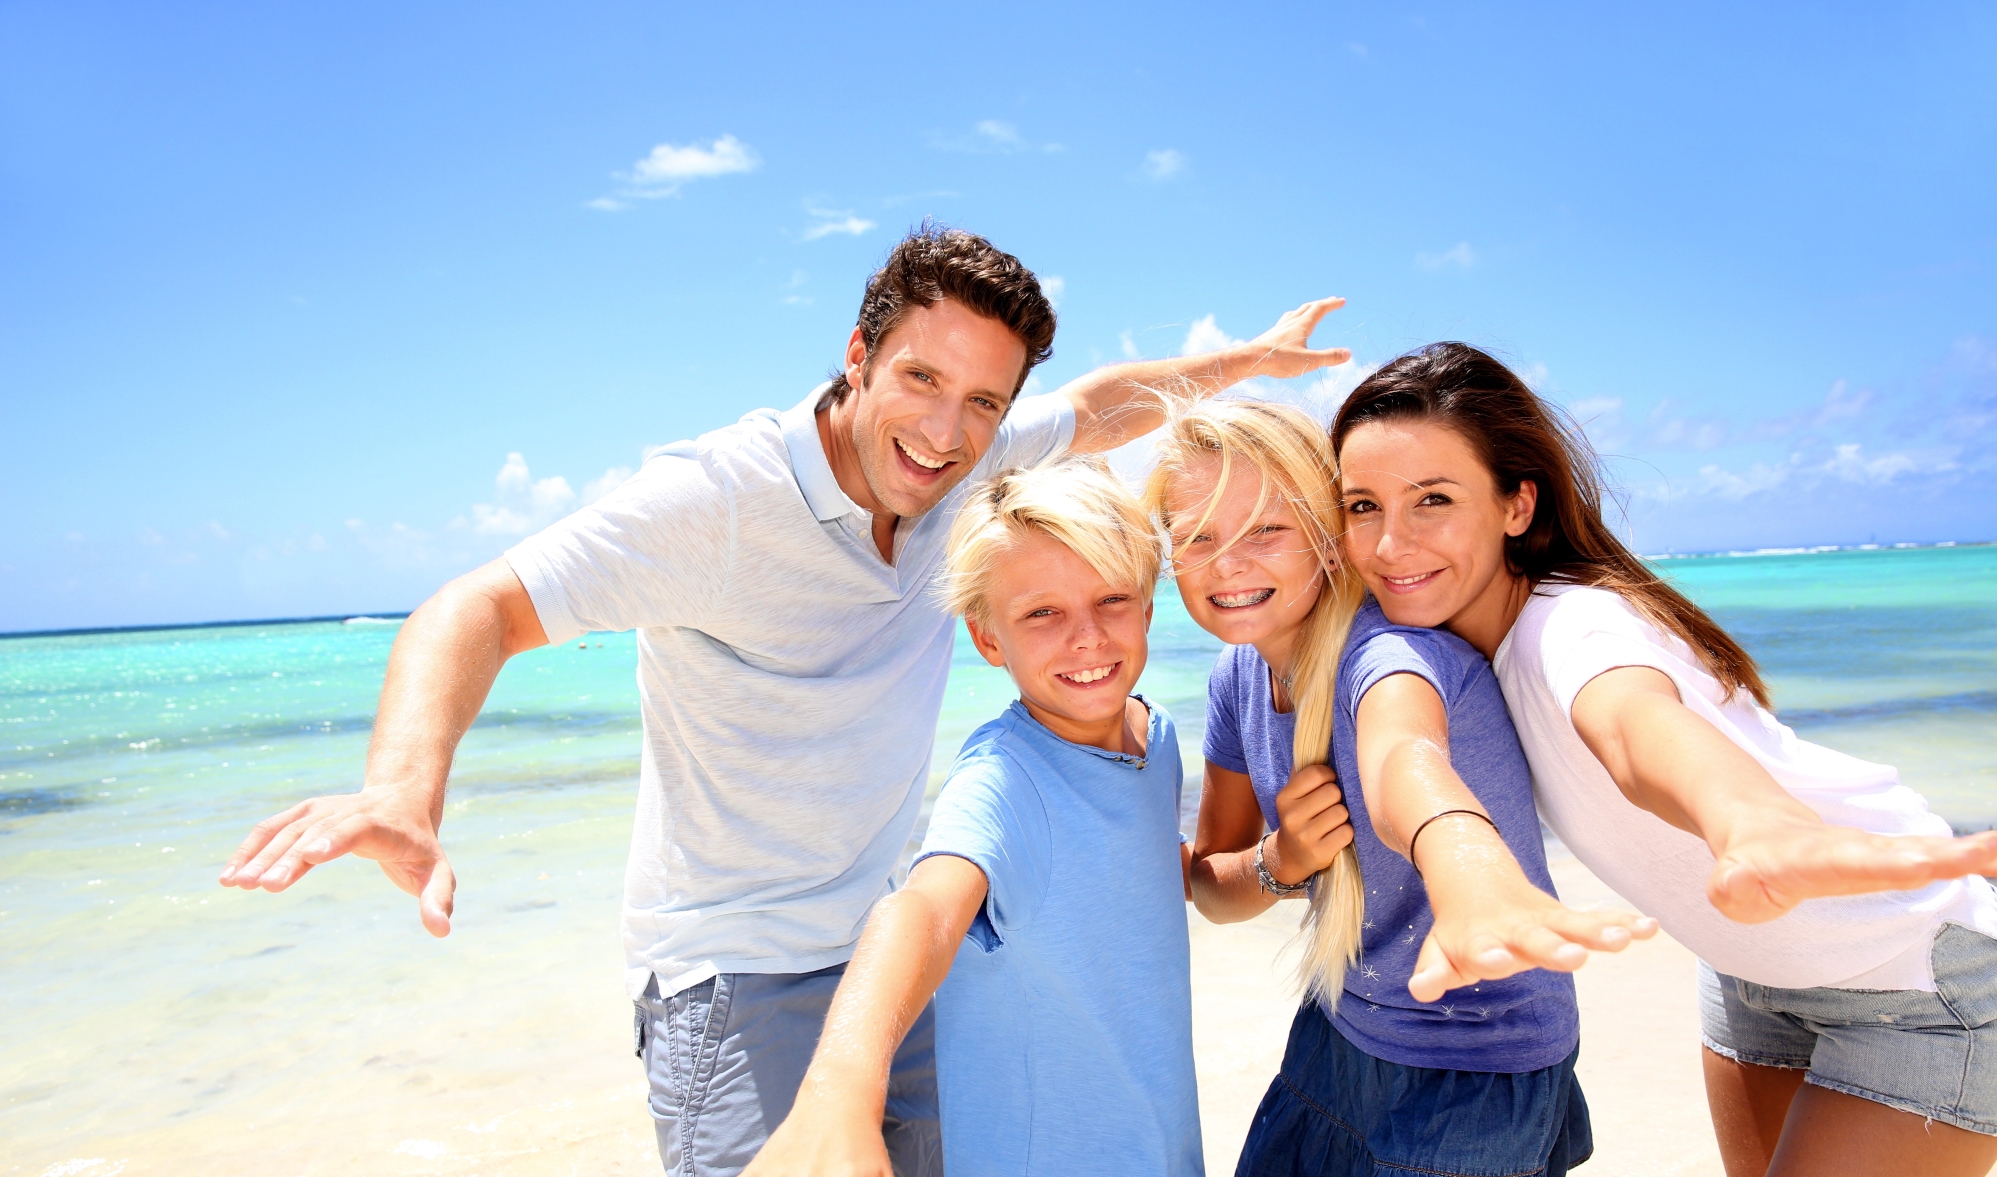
{"x":792,"y":660}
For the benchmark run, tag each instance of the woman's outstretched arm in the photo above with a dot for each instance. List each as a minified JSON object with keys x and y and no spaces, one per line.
{"x":1490,"y":921}
{"x":1773,"y":850}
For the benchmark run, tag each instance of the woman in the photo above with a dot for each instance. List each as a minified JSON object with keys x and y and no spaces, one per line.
{"x":1849,"y":976}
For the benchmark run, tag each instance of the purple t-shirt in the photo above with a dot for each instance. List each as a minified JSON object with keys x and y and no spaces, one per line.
{"x":1522,"y":1023}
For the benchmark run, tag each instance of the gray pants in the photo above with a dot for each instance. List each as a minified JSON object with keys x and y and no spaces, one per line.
{"x":725,"y":1059}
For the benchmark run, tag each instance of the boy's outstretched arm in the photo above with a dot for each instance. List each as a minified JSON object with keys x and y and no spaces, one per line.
{"x":1773,"y":850}
{"x":1490,"y":921}
{"x":834,"y":1128}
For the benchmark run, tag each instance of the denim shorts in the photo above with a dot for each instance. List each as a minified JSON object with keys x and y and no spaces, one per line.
{"x":1336,"y":1111}
{"x":724,"y":1059}
{"x":1932,"y":1054}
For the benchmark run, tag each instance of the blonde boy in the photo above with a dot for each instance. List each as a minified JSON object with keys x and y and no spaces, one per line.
{"x":1047,"y":900}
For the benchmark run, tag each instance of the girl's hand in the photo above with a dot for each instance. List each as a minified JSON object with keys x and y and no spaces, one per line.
{"x":824,"y":1138}
{"x":1312,"y":825}
{"x":1776,"y":863}
{"x":1494,"y":932}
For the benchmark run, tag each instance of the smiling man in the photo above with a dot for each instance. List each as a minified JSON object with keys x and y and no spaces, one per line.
{"x":792,"y":658}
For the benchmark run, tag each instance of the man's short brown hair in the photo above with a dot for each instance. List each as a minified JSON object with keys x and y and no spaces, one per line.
{"x":934,"y":263}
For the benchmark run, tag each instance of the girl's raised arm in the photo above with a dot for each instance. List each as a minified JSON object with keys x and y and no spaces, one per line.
{"x":1490,"y":921}
{"x":1773,"y":851}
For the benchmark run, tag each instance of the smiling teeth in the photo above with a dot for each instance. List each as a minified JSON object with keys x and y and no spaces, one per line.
{"x":1241,"y":600}
{"x":1408,"y":579}
{"x":1089,"y":676}
{"x":918,"y":459}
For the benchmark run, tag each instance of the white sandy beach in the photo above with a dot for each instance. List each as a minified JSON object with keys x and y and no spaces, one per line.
{"x":538,"y":1079}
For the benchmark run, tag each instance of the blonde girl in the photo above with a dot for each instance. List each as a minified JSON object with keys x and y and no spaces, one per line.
{"x":1433,"y":1036}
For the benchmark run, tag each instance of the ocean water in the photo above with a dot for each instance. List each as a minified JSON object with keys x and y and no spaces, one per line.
{"x":160,"y":1021}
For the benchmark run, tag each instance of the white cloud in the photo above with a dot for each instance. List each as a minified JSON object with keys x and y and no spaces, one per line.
{"x":1755,"y":479}
{"x":1053,"y":286}
{"x":603,"y":484}
{"x":1128,"y":345}
{"x":840,"y":221}
{"x":991,"y":137}
{"x":1003,"y":136}
{"x":670,"y":166}
{"x":1589,"y":408}
{"x":1165,"y":163}
{"x":1205,"y":336}
{"x":523,"y":503}
{"x":1459,"y":255}
{"x":1850,"y":463}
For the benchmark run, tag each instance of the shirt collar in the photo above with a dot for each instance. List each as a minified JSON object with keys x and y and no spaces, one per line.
{"x":799,"y":425}
{"x":1153,"y":725}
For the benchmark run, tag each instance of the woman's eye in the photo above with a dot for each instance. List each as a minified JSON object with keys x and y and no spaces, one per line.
{"x":1434,"y":500}
{"x":1361,"y":507}
{"x":1040,"y":613}
{"x":1117,"y":599}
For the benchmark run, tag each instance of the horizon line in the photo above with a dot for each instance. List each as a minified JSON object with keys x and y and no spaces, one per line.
{"x":392,"y":615}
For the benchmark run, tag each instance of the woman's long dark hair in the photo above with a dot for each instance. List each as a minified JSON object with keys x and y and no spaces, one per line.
{"x":1521,"y":438}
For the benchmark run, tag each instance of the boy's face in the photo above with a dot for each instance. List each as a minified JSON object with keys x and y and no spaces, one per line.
{"x":1073,"y":642}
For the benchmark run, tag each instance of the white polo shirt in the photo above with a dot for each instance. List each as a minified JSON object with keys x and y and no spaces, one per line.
{"x":789,"y":681}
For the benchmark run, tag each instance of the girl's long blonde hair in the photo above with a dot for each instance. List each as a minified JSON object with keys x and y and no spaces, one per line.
{"x":1293,"y":456}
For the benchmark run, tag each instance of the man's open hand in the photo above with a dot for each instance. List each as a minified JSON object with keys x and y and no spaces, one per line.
{"x":1285,"y":349}
{"x":372,"y":824}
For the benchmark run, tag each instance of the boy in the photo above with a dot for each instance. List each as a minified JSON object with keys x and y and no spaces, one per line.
{"x":1047,"y":900}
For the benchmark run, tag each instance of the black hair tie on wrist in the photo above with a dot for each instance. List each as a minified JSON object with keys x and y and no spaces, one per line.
{"x":1483,"y":817}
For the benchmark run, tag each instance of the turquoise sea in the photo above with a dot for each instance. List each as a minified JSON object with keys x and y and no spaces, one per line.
{"x":153,"y":1012}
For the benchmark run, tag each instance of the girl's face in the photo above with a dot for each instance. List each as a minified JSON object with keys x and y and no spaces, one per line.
{"x":1425,"y":526}
{"x":1261,"y":584}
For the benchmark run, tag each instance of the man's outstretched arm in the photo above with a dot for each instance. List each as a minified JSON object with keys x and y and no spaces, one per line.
{"x":444,"y":662}
{"x":1123,"y":402}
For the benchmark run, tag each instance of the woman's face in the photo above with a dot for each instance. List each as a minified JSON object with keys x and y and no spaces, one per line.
{"x":1425,"y":526}
{"x":1246,"y":576}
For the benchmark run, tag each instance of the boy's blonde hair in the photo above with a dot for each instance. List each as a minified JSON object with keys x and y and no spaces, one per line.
{"x":1078,"y":501}
{"x":1293,"y":456}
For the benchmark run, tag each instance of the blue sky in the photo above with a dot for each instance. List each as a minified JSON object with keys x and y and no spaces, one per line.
{"x":282,"y":288}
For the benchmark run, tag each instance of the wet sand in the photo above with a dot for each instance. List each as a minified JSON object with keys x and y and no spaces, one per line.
{"x":1639,"y":1040}
{"x":534,"y":1075}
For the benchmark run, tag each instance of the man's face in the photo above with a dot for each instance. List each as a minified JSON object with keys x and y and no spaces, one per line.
{"x":928,"y":406}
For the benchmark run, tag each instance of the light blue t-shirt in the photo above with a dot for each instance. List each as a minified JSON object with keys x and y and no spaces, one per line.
{"x":1064,"y":1032}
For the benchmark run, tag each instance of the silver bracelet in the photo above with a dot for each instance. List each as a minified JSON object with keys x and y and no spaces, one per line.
{"x":1268,"y":881}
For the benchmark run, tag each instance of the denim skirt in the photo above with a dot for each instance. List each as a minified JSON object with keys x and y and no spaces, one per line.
{"x":1336,"y":1110}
